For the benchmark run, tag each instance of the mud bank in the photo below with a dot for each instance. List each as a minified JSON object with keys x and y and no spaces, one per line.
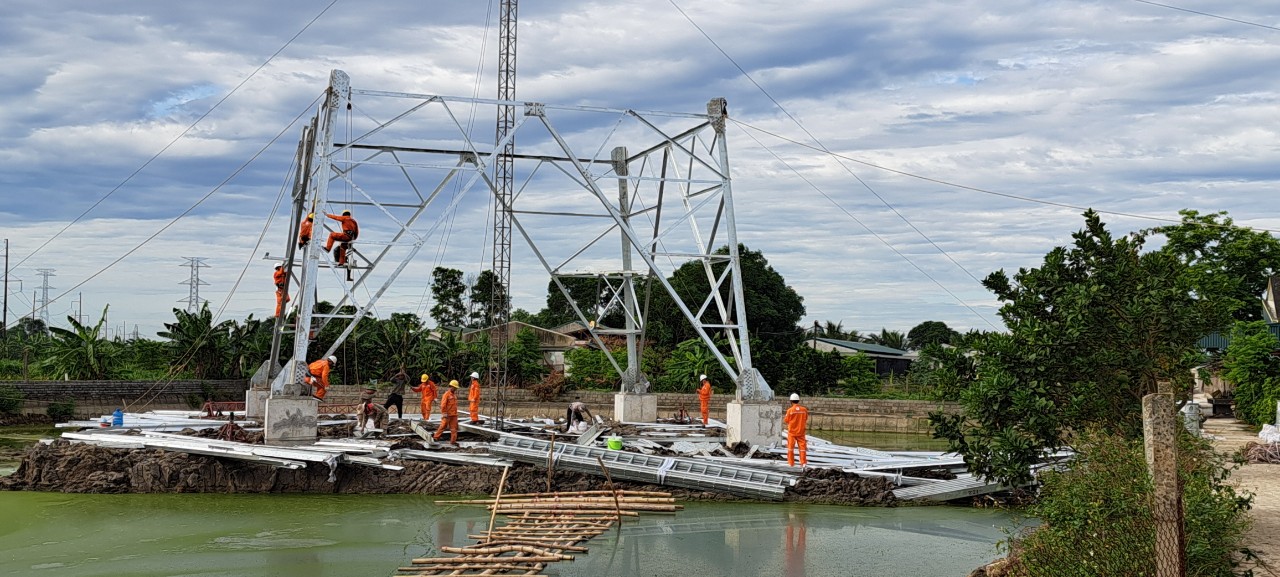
{"x":75,"y":468}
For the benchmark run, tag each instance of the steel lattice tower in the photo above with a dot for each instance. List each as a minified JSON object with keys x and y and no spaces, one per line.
{"x":503,"y":177}
{"x":193,"y":283}
{"x":45,"y":273}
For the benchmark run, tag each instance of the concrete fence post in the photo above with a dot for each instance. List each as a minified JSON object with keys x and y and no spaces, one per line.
{"x":1159,"y":430}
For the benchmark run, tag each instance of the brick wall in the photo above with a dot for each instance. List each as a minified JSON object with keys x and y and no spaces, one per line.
{"x":93,"y":398}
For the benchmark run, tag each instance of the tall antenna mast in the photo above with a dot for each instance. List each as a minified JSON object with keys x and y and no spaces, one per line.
{"x":193,"y":299}
{"x":503,"y":168}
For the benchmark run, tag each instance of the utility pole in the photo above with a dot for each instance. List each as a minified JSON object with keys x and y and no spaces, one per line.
{"x":504,"y":168}
{"x":193,"y":283}
{"x":4,"y":322}
{"x":45,"y":273}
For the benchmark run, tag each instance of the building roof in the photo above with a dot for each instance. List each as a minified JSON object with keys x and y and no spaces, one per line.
{"x":863,"y":347}
{"x":1218,"y":341}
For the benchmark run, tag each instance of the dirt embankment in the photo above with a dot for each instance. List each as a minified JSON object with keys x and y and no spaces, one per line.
{"x":76,"y":468}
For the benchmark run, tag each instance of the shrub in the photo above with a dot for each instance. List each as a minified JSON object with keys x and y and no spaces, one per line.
{"x":62,"y":411}
{"x":10,"y":399}
{"x":1097,"y":514}
{"x":549,"y":387}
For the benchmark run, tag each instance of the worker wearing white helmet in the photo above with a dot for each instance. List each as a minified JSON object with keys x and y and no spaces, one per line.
{"x":796,"y":421}
{"x":473,"y":398}
{"x":704,"y":398}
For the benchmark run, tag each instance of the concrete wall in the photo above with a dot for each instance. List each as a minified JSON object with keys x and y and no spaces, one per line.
{"x":837,"y":414}
{"x":94,"y":398}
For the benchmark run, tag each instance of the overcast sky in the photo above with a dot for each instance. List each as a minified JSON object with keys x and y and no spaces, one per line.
{"x":967,"y":136}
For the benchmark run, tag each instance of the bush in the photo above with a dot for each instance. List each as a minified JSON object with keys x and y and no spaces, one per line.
{"x":10,"y":399}
{"x":549,"y":387}
{"x":62,"y":411}
{"x":1097,"y":514}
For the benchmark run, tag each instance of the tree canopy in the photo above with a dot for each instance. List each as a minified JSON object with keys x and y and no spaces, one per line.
{"x":1225,"y":260}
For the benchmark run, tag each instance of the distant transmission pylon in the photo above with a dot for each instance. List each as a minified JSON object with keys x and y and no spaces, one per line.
{"x":45,"y":273}
{"x":193,"y":300}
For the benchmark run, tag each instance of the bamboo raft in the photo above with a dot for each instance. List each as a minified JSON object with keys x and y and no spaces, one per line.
{"x":540,"y":528}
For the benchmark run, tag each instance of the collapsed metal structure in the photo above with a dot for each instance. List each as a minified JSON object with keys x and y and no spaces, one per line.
{"x":405,"y":162}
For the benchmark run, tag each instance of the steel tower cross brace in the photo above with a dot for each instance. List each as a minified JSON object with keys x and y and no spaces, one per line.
{"x":660,"y":181}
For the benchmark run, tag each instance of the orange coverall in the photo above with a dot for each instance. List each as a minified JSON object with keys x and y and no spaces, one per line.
{"x":429,"y":391}
{"x":350,"y":230}
{"x":704,"y":400}
{"x":473,"y":400}
{"x":319,"y":378}
{"x":282,"y":296}
{"x":304,"y":231}
{"x":796,"y":420}
{"x":448,"y":416}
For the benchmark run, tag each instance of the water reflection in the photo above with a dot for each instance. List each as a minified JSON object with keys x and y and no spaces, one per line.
{"x":794,"y":566}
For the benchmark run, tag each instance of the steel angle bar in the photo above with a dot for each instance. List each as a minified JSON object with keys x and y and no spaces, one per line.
{"x":458,"y":458}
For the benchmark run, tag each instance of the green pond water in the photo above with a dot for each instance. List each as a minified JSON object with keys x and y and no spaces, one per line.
{"x":361,"y":535}
{"x":371,"y":535}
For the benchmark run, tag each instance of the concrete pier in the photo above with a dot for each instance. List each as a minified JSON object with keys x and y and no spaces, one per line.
{"x":755,"y":423}
{"x":635,"y":408}
{"x":290,"y":420}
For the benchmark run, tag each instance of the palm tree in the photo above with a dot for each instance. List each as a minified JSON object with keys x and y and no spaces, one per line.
{"x":834,"y":330}
{"x":82,"y":352}
{"x":247,"y":346}
{"x":197,"y":343}
{"x":888,"y":338}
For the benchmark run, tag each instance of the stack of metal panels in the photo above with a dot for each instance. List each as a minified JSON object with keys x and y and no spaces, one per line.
{"x":675,"y":471}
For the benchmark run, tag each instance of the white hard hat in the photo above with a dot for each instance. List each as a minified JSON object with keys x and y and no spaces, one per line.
{"x":333,"y":359}
{"x":475,"y":375}
{"x":795,"y":397}
{"x":702,"y":377}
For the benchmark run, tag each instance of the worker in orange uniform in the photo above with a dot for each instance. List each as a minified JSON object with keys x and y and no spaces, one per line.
{"x":428,"y":389}
{"x":281,"y":278}
{"x":796,"y":420}
{"x":318,"y":376}
{"x":304,"y":230}
{"x":704,"y":399}
{"x":449,"y":414}
{"x":473,"y":398}
{"x":350,"y":230}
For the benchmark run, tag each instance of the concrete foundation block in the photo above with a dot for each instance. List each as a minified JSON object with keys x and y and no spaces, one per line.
{"x":754,"y":423}
{"x":290,"y":420}
{"x":255,"y":404}
{"x":635,"y":408}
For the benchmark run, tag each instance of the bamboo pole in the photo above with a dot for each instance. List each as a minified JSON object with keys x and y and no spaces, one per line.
{"x":588,"y":507}
{"x":570,"y":499}
{"x":584,"y":493}
{"x":567,"y":511}
{"x":608,"y":478}
{"x":535,"y":551}
{"x":498,"y":497}
{"x":557,"y":544}
{"x":450,"y":563}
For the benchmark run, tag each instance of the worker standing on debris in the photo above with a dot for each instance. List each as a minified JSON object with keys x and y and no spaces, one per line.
{"x":304,"y":230}
{"x":281,"y":278}
{"x":449,"y":414}
{"x":350,"y":230}
{"x":318,"y":376}
{"x":473,"y":398}
{"x":704,"y":399}
{"x":428,"y":389}
{"x":396,"y":397}
{"x":371,"y":411}
{"x":796,"y":421}
{"x":576,"y":417}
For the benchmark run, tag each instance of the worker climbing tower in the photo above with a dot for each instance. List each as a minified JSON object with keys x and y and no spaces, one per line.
{"x":658,"y":181}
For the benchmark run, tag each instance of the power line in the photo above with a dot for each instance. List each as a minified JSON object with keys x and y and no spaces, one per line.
{"x":1197,"y":12}
{"x":179,"y":136}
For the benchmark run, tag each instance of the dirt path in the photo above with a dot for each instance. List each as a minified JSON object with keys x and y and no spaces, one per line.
{"x":1263,"y":480}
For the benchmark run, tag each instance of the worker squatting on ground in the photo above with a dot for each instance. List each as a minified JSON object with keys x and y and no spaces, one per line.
{"x":281,"y":278}
{"x":371,"y":411}
{"x":304,"y":230}
{"x":448,"y":414}
{"x":704,"y":399}
{"x":318,"y":375}
{"x":428,"y":389}
{"x":796,"y":420}
{"x":395,"y":398}
{"x":473,"y":398}
{"x":350,"y":230}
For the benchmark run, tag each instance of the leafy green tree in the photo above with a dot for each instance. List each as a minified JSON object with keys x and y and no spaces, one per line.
{"x":1096,"y":327}
{"x":197,"y":344}
{"x":248,"y":344}
{"x":82,"y":352}
{"x":588,"y":293}
{"x":447,"y":289}
{"x":859,"y":375}
{"x":525,"y":365}
{"x":397,"y":341}
{"x":931,"y":333}
{"x":1224,"y":259}
{"x":488,"y":300}
{"x":588,"y":367}
{"x":147,"y":359}
{"x":811,"y":372}
{"x":688,"y":360}
{"x":1250,"y":365}
{"x":773,"y":308}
